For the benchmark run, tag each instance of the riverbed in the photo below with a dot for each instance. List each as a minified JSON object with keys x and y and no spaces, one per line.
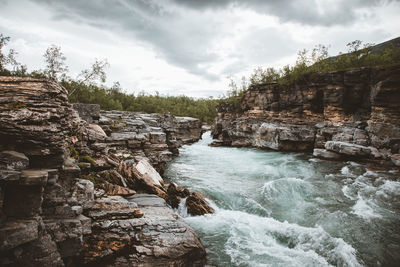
{"x":289,"y":209}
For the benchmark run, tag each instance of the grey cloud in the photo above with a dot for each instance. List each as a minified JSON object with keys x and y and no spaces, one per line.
{"x":184,"y":40}
{"x":261,"y":47}
{"x":300,"y":11}
{"x":182,"y":43}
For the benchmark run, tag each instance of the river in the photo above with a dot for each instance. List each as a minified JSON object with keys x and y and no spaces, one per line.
{"x":289,"y":209}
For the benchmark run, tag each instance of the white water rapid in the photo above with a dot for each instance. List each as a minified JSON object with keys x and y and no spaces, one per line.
{"x":287,"y":209}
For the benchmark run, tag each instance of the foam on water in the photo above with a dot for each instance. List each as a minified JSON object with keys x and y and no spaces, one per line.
{"x":365,"y":209}
{"x":182,"y":210}
{"x":259,"y":241}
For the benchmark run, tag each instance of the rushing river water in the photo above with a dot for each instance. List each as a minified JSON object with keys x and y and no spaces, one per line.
{"x":287,"y":209}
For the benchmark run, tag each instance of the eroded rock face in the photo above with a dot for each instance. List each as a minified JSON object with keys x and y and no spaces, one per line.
{"x":36,"y":118}
{"x":63,"y":181}
{"x":36,"y":127}
{"x":351,"y":113}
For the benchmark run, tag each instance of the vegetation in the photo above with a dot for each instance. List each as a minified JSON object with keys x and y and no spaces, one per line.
{"x":88,"y":86}
{"x":318,"y":61}
{"x":88,"y":159}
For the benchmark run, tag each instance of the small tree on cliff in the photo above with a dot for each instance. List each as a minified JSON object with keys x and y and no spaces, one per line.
{"x":56,"y":68}
{"x":97,"y":72}
{"x":3,"y":58}
{"x":9,"y":59}
{"x":88,"y":78}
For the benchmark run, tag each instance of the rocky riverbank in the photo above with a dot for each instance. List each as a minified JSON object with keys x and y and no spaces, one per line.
{"x":77,"y":184}
{"x":340,"y":115}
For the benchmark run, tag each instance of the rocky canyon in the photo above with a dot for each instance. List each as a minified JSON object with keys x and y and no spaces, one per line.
{"x":82,"y":186}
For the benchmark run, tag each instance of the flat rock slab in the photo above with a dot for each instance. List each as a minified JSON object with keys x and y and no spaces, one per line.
{"x":348,"y":149}
{"x":325,"y":154}
{"x":147,"y":200}
{"x":159,"y":238}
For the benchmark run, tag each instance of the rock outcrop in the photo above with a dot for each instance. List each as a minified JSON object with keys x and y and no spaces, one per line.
{"x":195,"y":202}
{"x":346,"y":114}
{"x":69,"y":188}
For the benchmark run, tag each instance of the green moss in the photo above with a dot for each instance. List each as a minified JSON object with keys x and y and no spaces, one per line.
{"x":93,"y":178}
{"x":88,"y":159}
{"x":73,"y":152}
{"x":15,"y":105}
{"x":82,"y":165}
{"x":107,"y":177}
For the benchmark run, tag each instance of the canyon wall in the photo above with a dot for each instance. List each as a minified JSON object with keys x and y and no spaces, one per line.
{"x":83,"y":191}
{"x":346,"y":114}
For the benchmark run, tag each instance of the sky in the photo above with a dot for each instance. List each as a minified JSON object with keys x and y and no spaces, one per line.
{"x":189,"y":47}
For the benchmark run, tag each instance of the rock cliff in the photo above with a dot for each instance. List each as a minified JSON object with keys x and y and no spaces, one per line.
{"x":79,"y":191}
{"x":346,"y":114}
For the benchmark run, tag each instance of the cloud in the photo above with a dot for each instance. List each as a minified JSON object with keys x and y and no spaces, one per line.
{"x":191,"y":45}
{"x":311,"y":12}
{"x":175,"y":34}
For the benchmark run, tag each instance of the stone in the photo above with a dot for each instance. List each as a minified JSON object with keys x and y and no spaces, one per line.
{"x":159,"y":238}
{"x":42,"y":252}
{"x":40,"y":121}
{"x":95,"y":133}
{"x":396,"y":159}
{"x":175,"y":194}
{"x":83,"y":192}
{"x":325,"y":154}
{"x":149,"y":178}
{"x":34,"y":177}
{"x":116,"y":190}
{"x":17,"y":232}
{"x":54,"y":195}
{"x":13,"y":160}
{"x":197,"y":205}
{"x":88,"y":112}
{"x":348,"y":149}
{"x":7,"y":176}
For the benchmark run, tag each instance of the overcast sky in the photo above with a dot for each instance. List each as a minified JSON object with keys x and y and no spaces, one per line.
{"x":189,"y":46}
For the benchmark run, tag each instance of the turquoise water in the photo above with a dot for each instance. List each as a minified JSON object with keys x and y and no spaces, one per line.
{"x":287,"y":209}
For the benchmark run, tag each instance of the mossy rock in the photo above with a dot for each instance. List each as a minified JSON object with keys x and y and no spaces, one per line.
{"x":15,"y":105}
{"x":88,"y":159}
{"x":73,"y":152}
{"x":93,"y":178}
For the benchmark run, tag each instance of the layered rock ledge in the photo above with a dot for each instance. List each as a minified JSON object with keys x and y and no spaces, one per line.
{"x":348,"y":114}
{"x":79,"y":191}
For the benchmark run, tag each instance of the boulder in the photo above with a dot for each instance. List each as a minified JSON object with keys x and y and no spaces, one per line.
{"x":348,"y":149}
{"x":396,"y":159}
{"x":36,"y":118}
{"x":175,"y":194}
{"x":149,"y":178}
{"x":197,"y":205}
{"x":95,"y":133}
